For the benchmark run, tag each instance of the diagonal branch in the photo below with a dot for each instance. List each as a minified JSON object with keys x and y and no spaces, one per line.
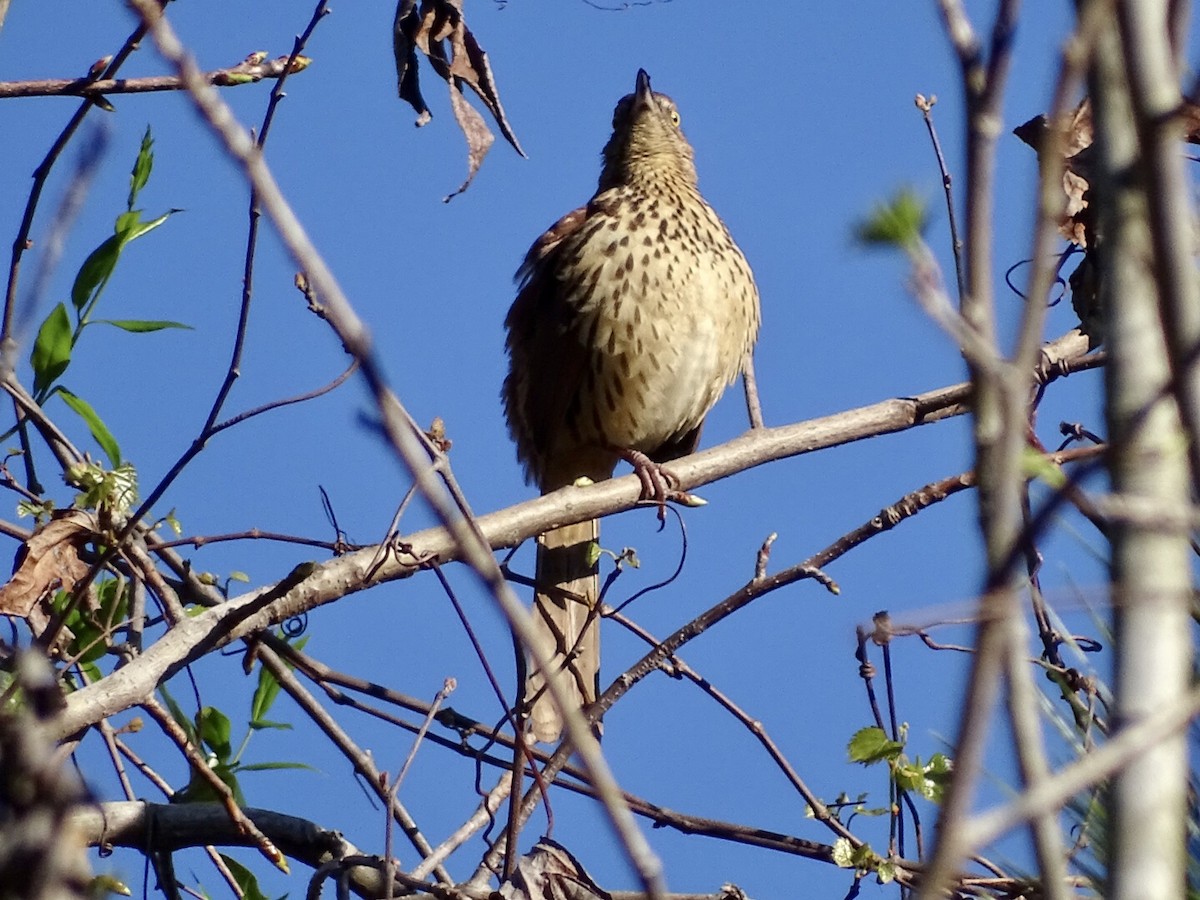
{"x":311,"y":584}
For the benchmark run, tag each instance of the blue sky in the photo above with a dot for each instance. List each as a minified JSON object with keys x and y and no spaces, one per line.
{"x":802,"y":118}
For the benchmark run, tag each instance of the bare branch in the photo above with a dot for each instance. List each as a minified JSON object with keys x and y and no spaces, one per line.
{"x":252,"y":69}
{"x":311,"y":585}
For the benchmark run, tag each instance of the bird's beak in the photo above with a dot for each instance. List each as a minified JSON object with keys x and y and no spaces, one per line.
{"x":642,"y":92}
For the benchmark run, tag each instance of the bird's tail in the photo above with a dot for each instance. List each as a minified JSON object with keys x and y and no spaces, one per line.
{"x":566,"y":622}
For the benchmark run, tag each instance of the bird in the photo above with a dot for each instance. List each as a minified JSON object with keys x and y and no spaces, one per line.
{"x":633,"y":314}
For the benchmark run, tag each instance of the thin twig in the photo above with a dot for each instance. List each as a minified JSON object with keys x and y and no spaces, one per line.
{"x":287,"y":401}
{"x":750,"y":386}
{"x":393,"y":790}
{"x":257,"y":534}
{"x":926,"y":104}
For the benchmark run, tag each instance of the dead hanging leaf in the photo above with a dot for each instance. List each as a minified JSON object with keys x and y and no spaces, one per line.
{"x":1086,"y":298}
{"x":479,"y":138}
{"x":1076,"y":220}
{"x":51,"y":560}
{"x":438,"y":29}
{"x":550,"y":872}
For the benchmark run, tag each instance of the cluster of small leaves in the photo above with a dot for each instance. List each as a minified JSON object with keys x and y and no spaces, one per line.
{"x":61,"y":330}
{"x":627,"y":557}
{"x":900,"y":222}
{"x":863,"y":860}
{"x":871,"y":745}
{"x":111,"y":492}
{"x":210,"y":731}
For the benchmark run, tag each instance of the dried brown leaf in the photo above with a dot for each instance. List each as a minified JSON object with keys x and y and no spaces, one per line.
{"x":470,"y":63}
{"x":49,"y":561}
{"x":479,"y":136}
{"x":550,"y":872}
{"x":1078,"y":135}
{"x":404,"y":45}
{"x":438,"y":29}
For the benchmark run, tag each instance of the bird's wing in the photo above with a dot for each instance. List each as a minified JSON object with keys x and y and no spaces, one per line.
{"x":541,"y":347}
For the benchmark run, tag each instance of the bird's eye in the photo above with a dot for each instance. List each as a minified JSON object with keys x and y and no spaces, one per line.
{"x":675,"y":118}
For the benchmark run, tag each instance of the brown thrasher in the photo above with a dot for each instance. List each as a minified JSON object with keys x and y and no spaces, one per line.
{"x":634,"y":313}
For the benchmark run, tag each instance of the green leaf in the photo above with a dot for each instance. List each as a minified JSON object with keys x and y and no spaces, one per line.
{"x":886,"y":872}
{"x":1036,"y":465}
{"x":843,"y":853}
{"x":228,"y":774}
{"x":266,"y":692}
{"x":215,"y":730}
{"x":272,"y":766}
{"x":142,"y":326}
{"x":871,"y":745}
{"x":865,"y":859}
{"x":177,"y":714}
{"x":95,"y":425}
{"x":245,"y":879}
{"x":127,"y":223}
{"x":107,"y":884}
{"x":142,"y":167}
{"x":199,"y":790}
{"x":928,"y":780}
{"x":52,"y":350}
{"x":95,"y":271}
{"x":264,"y":695}
{"x":138,"y":228}
{"x":113,"y":599}
{"x":31,"y":508}
{"x":938,"y":774}
{"x":267,"y":724}
{"x":90,"y":641}
{"x":98,"y":267}
{"x":898,"y":222}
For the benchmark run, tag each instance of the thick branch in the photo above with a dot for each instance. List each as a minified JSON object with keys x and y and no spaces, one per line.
{"x":174,"y":826}
{"x":147,"y":826}
{"x":1152,"y":572}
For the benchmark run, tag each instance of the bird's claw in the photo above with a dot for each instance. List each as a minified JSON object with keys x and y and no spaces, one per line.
{"x":659,"y":484}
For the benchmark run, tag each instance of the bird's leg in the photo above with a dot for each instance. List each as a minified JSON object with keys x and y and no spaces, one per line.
{"x":658,"y":482}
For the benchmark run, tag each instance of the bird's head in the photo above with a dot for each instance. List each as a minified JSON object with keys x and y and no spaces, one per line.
{"x":646,"y":142}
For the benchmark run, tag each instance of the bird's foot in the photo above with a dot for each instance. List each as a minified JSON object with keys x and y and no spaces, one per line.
{"x":659,"y":484}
